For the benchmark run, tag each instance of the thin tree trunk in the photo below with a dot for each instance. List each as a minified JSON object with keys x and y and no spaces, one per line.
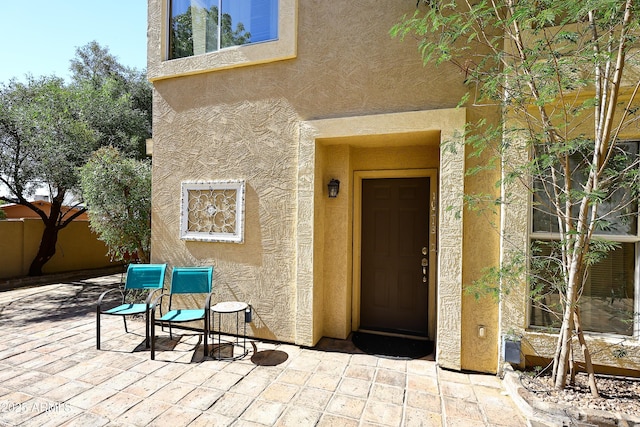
{"x":556,"y":356}
{"x":587,"y":355}
{"x":52,"y":226}
{"x":47,"y":248}
{"x":561,"y":361}
{"x":572,"y":366}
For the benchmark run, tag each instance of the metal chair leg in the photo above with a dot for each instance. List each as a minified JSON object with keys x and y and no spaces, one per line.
{"x":98,"y":328}
{"x":146,"y":329}
{"x":153,"y":335}
{"x":206,"y":334}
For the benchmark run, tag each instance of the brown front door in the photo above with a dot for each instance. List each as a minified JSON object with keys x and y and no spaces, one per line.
{"x":395,"y":239}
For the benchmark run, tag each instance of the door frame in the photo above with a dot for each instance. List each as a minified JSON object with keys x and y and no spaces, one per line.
{"x":358,"y":176}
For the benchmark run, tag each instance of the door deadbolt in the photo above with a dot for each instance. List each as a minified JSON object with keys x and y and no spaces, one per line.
{"x":425,"y":250}
{"x":425,"y":262}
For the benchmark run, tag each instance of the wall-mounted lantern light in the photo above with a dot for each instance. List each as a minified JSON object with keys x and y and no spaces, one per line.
{"x":334,"y":188}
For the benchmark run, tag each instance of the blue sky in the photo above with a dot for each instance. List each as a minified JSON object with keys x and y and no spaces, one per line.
{"x":41,"y":36}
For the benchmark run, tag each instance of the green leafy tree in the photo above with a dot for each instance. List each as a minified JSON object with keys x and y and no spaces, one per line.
{"x":117,"y":190}
{"x":49,"y":129}
{"x":43,"y":140}
{"x":95,"y":64}
{"x":118,"y":99}
{"x":557,"y":71}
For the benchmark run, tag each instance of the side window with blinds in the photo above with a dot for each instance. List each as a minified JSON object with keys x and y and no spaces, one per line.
{"x":609,"y":298}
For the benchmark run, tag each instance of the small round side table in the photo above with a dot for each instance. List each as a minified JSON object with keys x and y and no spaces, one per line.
{"x":230,"y":307}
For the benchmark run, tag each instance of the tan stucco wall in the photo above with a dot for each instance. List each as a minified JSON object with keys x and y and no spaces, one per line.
{"x":77,"y":248}
{"x":261,"y":148}
{"x":11,"y":248}
{"x":352,"y":98}
{"x":346,"y":64}
{"x":333,"y":246}
{"x":481,"y":250}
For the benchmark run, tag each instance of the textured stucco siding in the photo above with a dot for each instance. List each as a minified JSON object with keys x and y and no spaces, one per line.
{"x":450,"y":253}
{"x":254,"y":141}
{"x":346,"y":64}
{"x":351,"y":97}
{"x":309,"y":303}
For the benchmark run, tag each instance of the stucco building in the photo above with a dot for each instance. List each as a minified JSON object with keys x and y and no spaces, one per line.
{"x":247,"y":138}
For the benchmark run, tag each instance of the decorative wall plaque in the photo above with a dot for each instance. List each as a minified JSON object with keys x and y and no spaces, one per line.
{"x":213,"y":211}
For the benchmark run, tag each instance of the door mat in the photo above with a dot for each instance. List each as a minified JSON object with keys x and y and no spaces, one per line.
{"x":392,"y":347}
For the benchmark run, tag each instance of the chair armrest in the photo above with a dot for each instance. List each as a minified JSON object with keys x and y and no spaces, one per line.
{"x":152,"y":305}
{"x":107,"y":292}
{"x":207,"y":302}
{"x":149,"y":300}
{"x":154,"y":302}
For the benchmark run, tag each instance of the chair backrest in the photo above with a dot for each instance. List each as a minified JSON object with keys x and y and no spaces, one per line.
{"x":191,"y":280}
{"x":145,"y":276}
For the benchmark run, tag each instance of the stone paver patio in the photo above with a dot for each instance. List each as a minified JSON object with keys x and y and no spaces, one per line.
{"x":52,"y":375}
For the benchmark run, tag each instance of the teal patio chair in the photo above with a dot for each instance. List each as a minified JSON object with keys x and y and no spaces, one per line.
{"x":184,"y":280}
{"x":145,"y":277}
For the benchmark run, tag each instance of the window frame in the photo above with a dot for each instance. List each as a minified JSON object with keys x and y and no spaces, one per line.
{"x":635,"y":333}
{"x":620,"y":238}
{"x":219,"y":47}
{"x":160,"y":67}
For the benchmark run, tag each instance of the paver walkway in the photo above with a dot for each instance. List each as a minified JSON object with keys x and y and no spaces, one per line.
{"x":51,"y":375}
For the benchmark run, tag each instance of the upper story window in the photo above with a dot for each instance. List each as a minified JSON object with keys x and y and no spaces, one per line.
{"x":187,"y":37}
{"x":202,"y":26}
